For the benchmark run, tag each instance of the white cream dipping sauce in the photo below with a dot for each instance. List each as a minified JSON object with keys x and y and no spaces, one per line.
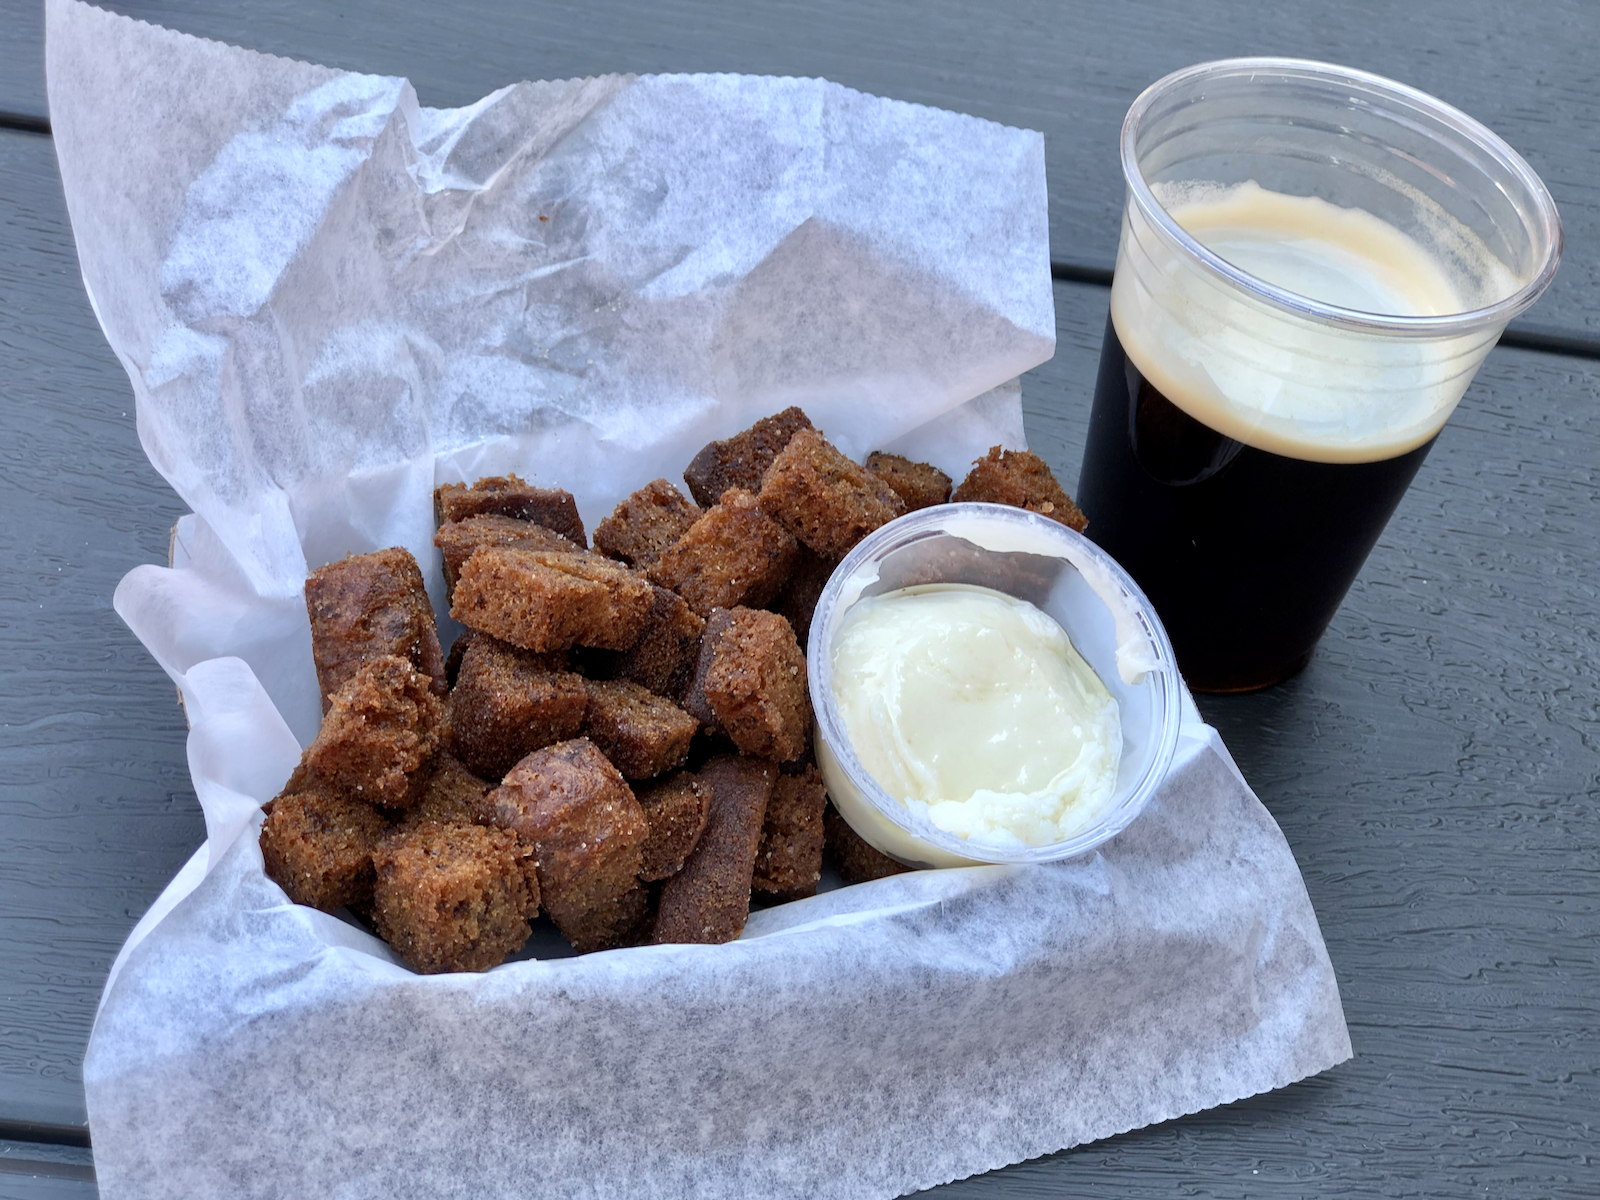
{"x":974,"y":707}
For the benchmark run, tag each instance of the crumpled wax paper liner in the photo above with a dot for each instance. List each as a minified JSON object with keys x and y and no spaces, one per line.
{"x":329,"y":299}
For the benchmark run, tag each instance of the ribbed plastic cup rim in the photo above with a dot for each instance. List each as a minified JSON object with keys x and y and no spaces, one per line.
{"x":819,"y":667}
{"x":1547,"y":227}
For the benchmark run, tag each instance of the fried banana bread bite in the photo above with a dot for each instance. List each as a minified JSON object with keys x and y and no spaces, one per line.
{"x":824,"y":499}
{"x":384,"y":724}
{"x":545,"y":601}
{"x":643,"y":734}
{"x":508,"y":496}
{"x":450,"y":795}
{"x":750,"y":683}
{"x":789,"y":860}
{"x":459,"y":540}
{"x":798,"y":602}
{"x":918,"y":484}
{"x":663,"y":658}
{"x":366,"y":606}
{"x":708,"y":901}
{"x":676,"y":808}
{"x":741,"y":461}
{"x":453,"y":897}
{"x":734,"y":554}
{"x":855,"y":859}
{"x":1021,"y":479}
{"x":587,"y":833}
{"x":317,"y":845}
{"x":645,"y":524}
{"x":509,"y":702}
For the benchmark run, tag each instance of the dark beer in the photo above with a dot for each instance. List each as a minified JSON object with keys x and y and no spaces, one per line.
{"x":1245,"y":554}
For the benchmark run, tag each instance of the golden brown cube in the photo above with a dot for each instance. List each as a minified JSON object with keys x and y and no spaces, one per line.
{"x":453,"y":897}
{"x":676,"y":808}
{"x":317,"y":845}
{"x":508,"y":496}
{"x":799,"y":599}
{"x":645,"y":524}
{"x":918,"y":484}
{"x":384,"y":724}
{"x":824,"y":499}
{"x":643,"y":734}
{"x":587,"y":832}
{"x":545,"y":601}
{"x":459,"y":540}
{"x":366,"y":606}
{"x":663,"y":658}
{"x":741,"y":461}
{"x":789,"y":861}
{"x":1021,"y":479}
{"x":750,"y":683}
{"x":855,"y":859}
{"x":449,"y":795}
{"x":732,"y":555}
{"x":508,"y":702}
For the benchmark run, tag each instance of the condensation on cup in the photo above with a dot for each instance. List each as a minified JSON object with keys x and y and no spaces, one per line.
{"x":1314,"y":262}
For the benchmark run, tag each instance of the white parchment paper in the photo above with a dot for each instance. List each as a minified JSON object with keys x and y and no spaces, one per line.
{"x":328,"y":299}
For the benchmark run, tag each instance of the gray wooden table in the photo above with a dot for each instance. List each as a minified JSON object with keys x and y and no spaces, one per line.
{"x":1435,"y":769}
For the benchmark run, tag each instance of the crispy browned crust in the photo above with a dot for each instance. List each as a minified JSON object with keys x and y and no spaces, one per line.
{"x":918,"y":484}
{"x":459,"y":540}
{"x":789,"y":861}
{"x":545,"y":601}
{"x":740,"y":461}
{"x":824,"y":499}
{"x":1020,"y":479}
{"x":643,"y":734}
{"x":645,"y":524}
{"x":508,"y":702}
{"x":449,"y":795}
{"x":664,"y":656}
{"x":709,"y":899}
{"x":734,"y":554}
{"x":853,"y":858}
{"x":384,"y":724}
{"x":509,"y":496}
{"x":587,"y":832}
{"x":676,"y":808}
{"x":750,"y":683}
{"x":368,"y":605}
{"x":317,"y":845}
{"x":799,"y":599}
{"x":453,"y":897}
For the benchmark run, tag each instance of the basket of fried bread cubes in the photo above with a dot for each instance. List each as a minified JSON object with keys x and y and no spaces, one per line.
{"x":620,"y":736}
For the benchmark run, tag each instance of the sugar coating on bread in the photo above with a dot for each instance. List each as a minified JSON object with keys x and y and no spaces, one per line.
{"x":643,"y":734}
{"x":854,"y":859}
{"x":317,"y":846}
{"x":452,"y":897}
{"x":367,"y":606}
{"x":798,"y":601}
{"x":675,"y":807}
{"x":789,"y":860}
{"x":459,"y":540}
{"x":918,"y":484}
{"x":663,"y":658}
{"x":544,"y":601}
{"x":1021,"y":479}
{"x":449,"y":794}
{"x":824,"y":499}
{"x":734,"y":554}
{"x":708,"y":900}
{"x":741,"y":461}
{"x":509,"y":702}
{"x":641,"y":528}
{"x":750,"y":683}
{"x":509,"y":496}
{"x":587,"y":833}
{"x":383,"y":724}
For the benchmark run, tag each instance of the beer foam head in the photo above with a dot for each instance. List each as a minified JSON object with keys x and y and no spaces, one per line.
{"x":1279,"y":379}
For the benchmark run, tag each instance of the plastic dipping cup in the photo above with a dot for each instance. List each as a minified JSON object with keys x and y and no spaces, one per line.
{"x":1314,"y":261}
{"x":1061,"y":572}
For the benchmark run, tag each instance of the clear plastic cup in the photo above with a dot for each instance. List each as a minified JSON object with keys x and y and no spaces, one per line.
{"x":1043,"y":562}
{"x":1249,"y":438}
